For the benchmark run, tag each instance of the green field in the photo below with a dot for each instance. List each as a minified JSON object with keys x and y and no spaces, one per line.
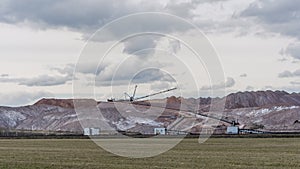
{"x":215,"y":153}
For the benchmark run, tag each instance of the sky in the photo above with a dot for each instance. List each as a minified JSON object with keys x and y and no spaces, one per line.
{"x":49,"y":48}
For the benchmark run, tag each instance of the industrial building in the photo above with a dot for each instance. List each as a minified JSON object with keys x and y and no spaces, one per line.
{"x":160,"y":131}
{"x":91,"y":131}
{"x":232,"y":130}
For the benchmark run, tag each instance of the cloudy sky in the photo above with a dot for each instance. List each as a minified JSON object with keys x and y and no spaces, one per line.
{"x":257,"y":42}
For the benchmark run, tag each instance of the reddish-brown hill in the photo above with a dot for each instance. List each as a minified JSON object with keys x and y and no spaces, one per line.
{"x":65,"y":103}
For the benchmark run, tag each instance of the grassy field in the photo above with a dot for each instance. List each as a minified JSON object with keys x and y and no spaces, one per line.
{"x":215,"y":153}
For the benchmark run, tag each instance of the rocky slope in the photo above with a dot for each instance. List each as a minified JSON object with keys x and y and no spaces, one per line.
{"x":265,"y":110}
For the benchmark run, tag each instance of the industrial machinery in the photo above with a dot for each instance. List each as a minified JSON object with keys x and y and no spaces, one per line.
{"x":133,"y":98}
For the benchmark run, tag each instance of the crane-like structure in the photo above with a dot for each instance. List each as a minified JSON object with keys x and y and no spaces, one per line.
{"x":133,"y":98}
{"x":153,"y":94}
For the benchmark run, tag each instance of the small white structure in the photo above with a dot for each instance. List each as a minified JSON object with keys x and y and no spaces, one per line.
{"x":160,"y":131}
{"x":86,"y":131}
{"x":91,"y":131}
{"x":232,"y":130}
{"x":95,"y":131}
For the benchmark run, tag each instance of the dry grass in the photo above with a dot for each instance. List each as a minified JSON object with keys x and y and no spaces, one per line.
{"x":215,"y":153}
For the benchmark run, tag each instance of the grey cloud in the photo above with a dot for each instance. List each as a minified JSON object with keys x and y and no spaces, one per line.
{"x":128,"y":74}
{"x":281,"y":17}
{"x":268,"y":87}
{"x":91,"y":67}
{"x":4,"y":75}
{"x":161,"y":85}
{"x":145,"y":45}
{"x":154,"y":22}
{"x":66,"y":75}
{"x":291,"y":88}
{"x":80,"y":14}
{"x":287,"y":73}
{"x":295,"y":83}
{"x":185,"y":8}
{"x":151,"y":75}
{"x":243,"y":75}
{"x":174,"y":46}
{"x":292,"y":50}
{"x":182,"y":9}
{"x":85,"y":68}
{"x":249,"y":88}
{"x":230,"y":82}
{"x":282,"y":59}
{"x":76,"y":14}
{"x":45,"y":80}
{"x":88,"y":16}
{"x":278,"y":16}
{"x":140,"y":45}
{"x":9,"y":80}
{"x":66,"y":70}
{"x":83,"y":16}
{"x":22,"y":97}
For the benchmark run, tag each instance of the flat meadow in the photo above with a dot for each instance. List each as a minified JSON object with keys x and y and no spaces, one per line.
{"x":214,"y":153}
